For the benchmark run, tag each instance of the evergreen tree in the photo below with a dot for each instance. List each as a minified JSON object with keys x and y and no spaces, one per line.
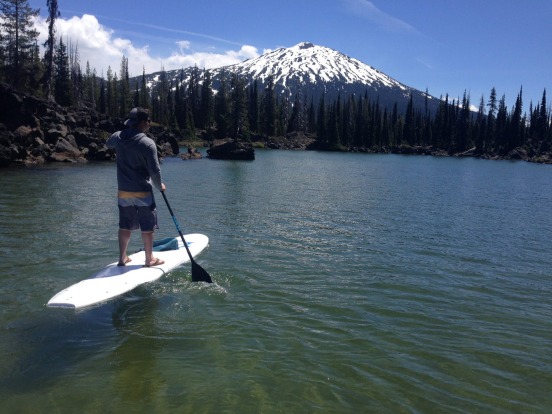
{"x":491,"y":120}
{"x":160,"y":110}
{"x":480,"y":127}
{"x":18,"y":41}
{"x":358,"y":136}
{"x":295,"y":122}
{"x":311,"y":118}
{"x":333,"y":126}
{"x":222,"y":109}
{"x":194,"y":95}
{"x":516,"y":128}
{"x":348,"y":121}
{"x":102,"y":97}
{"x":239,"y":129}
{"x":63,"y":89}
{"x":396,"y":126}
{"x":386,"y":132}
{"x":462,"y":131}
{"x":124,"y":89}
{"x":75,"y":75}
{"x":89,"y":87}
{"x":110,"y":93}
{"x":542,"y":119}
{"x":321,"y":125}
{"x":207,"y":102}
{"x":253,"y":107}
{"x":144,"y":98}
{"x":282,"y":112}
{"x":501,"y":126}
{"x":268,"y":109}
{"x":53,"y":14}
{"x":409,"y":127}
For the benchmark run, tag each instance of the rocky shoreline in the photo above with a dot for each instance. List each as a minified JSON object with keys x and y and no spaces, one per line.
{"x":34,"y":131}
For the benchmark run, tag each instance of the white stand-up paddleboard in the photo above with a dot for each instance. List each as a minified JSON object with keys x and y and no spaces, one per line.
{"x":115,"y":280}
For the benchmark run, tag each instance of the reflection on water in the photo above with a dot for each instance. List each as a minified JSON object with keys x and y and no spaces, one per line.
{"x":344,"y":283}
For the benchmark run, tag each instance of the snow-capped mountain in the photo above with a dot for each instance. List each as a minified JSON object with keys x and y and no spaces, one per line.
{"x":313,"y":72}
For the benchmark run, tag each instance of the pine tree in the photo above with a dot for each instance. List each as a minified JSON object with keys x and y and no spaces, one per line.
{"x":295,"y":123}
{"x":124,"y":89}
{"x":311,"y":118}
{"x":160,"y":110}
{"x":18,"y":41}
{"x":268,"y":109}
{"x":491,"y":120}
{"x":321,"y":124}
{"x":239,"y":129}
{"x":501,"y":126}
{"x":516,"y":129}
{"x":75,"y":75}
{"x":110,"y":93}
{"x":480,"y":127}
{"x":102,"y":97}
{"x":89,"y":87}
{"x":143,"y":100}
{"x":222,"y":109}
{"x":63,"y":89}
{"x":53,"y":14}
{"x":462,"y":131}
{"x":542,"y":119}
{"x":409,"y":126}
{"x":207,"y":102}
{"x":194,"y":95}
{"x":253,"y":107}
{"x":333,"y":126}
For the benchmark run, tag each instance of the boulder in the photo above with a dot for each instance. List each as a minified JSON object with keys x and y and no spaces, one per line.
{"x":233,"y":150}
{"x":191,"y":154}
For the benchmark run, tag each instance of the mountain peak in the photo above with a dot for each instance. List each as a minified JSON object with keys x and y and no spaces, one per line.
{"x":315,"y":72}
{"x":304,"y":45}
{"x":306,"y":63}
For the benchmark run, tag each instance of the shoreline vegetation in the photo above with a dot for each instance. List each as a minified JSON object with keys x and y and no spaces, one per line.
{"x":53,"y":110}
{"x":34,"y":131}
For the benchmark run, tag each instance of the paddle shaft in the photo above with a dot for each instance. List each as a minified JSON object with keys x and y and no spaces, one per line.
{"x":198,"y":273}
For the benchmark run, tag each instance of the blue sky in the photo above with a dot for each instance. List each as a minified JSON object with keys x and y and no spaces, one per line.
{"x":446,"y":46}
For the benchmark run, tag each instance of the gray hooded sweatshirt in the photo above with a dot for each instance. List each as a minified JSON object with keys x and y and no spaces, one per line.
{"x":137,"y":163}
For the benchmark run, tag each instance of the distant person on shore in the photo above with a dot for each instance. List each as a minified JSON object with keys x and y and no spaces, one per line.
{"x":138,"y":171}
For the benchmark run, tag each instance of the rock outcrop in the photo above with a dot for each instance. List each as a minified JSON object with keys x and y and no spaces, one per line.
{"x":35,"y":131}
{"x":232,"y":150}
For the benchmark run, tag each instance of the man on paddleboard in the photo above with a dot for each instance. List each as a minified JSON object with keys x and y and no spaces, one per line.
{"x":138,"y":171}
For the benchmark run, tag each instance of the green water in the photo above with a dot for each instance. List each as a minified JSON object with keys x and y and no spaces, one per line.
{"x":344,"y":283}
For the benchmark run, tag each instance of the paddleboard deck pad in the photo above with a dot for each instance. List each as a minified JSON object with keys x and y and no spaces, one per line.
{"x":114,"y":280}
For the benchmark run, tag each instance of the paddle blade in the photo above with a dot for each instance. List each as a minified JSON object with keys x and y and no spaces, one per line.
{"x":199,"y":274}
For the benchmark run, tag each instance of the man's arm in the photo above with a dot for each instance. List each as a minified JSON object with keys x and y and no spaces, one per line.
{"x":153,"y":165}
{"x":112,"y":140}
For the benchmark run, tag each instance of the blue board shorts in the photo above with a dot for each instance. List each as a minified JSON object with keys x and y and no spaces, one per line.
{"x":137,"y":210}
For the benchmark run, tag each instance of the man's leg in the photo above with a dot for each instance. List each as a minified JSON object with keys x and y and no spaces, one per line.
{"x":147,"y":238}
{"x":124,"y":239}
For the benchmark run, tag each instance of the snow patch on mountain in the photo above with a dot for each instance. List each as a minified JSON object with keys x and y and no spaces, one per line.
{"x":309,"y":63}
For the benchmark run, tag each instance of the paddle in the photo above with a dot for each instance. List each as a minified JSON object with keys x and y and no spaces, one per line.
{"x":198,"y":273}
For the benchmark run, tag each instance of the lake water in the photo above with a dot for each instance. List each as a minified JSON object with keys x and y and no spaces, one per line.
{"x":345,"y":283}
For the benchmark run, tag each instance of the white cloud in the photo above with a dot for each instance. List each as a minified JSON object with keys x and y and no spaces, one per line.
{"x":98,"y":45}
{"x":183,"y":45}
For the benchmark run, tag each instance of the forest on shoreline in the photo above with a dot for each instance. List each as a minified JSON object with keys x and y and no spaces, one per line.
{"x":192,"y":109}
